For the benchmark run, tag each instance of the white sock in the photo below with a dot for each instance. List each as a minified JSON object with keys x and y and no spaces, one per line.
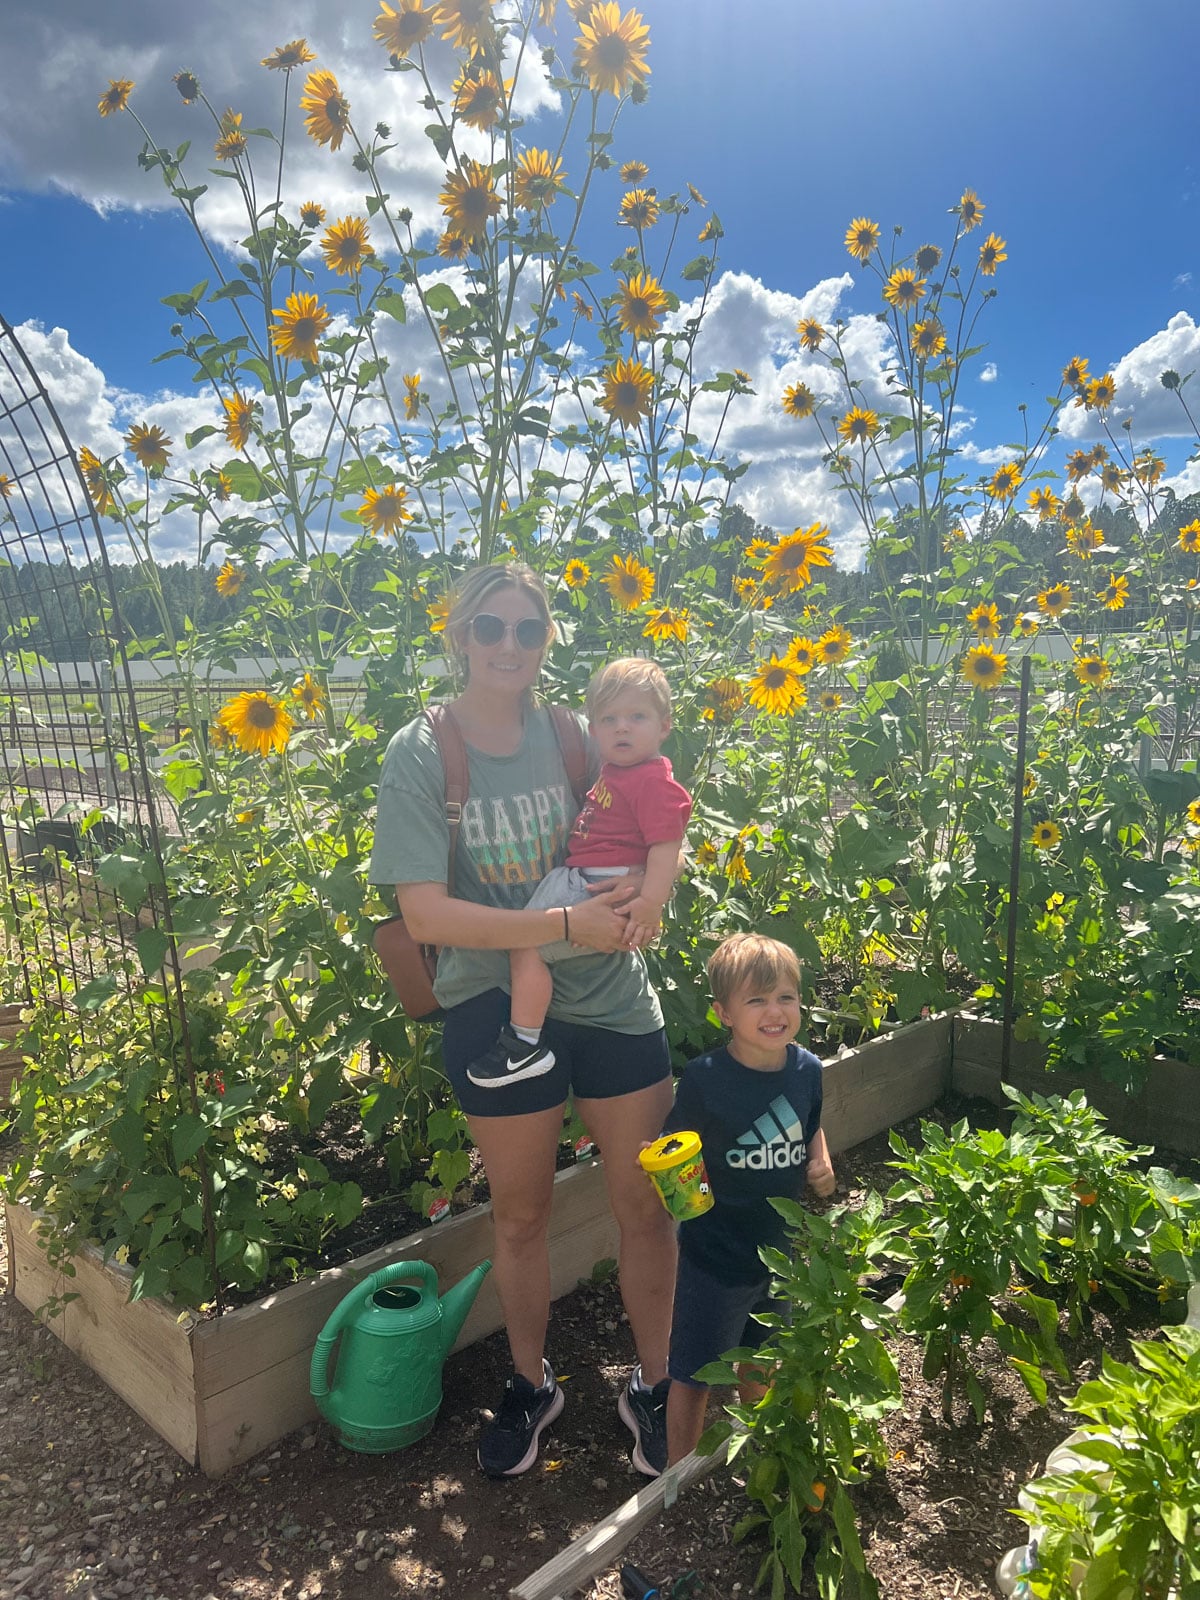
{"x":530,"y":1035}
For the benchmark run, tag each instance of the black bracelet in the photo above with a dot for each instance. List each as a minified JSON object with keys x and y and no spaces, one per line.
{"x":566,"y":925}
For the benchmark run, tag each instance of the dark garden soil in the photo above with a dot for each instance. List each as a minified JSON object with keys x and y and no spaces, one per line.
{"x":93,"y":1506}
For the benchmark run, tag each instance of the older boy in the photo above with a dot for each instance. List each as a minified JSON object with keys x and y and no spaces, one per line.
{"x":756,"y":1104}
{"x":634,"y":817}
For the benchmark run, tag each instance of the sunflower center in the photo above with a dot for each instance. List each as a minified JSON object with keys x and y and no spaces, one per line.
{"x":612,"y":52}
{"x":629,"y":584}
{"x":261,"y":714}
{"x":626,"y":395}
{"x":337,"y":110}
{"x":775,"y":677}
{"x":304,"y":330}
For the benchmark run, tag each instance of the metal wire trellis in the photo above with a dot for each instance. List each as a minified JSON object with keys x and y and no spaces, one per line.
{"x":77,"y":790}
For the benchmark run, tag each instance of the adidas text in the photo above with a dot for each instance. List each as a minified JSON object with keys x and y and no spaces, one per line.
{"x":767,"y":1157}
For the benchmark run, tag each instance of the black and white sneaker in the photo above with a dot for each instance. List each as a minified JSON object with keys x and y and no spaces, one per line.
{"x":509,"y":1061}
{"x":509,"y":1443}
{"x":644,"y":1412}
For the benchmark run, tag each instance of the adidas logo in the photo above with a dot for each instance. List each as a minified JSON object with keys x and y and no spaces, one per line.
{"x":776,"y":1140}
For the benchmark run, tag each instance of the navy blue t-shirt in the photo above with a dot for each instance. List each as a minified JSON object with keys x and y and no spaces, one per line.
{"x":755,"y":1128}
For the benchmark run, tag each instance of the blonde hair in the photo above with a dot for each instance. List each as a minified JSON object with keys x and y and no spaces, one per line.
{"x":475,"y":588}
{"x":750,"y":961}
{"x":630,"y":672}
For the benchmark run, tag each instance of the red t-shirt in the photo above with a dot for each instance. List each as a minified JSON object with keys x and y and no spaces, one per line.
{"x":627,"y":810}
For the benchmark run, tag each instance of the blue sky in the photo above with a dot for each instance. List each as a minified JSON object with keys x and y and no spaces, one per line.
{"x":1074,"y":123}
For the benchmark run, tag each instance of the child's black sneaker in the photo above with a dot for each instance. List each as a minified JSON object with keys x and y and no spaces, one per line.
{"x":510,"y":1060}
{"x":509,"y":1443}
{"x":644,"y":1412}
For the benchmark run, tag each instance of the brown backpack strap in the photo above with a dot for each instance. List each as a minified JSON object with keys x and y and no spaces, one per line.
{"x":573,"y":749}
{"x":453,"y":751}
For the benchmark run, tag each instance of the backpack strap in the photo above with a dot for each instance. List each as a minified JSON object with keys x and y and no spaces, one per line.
{"x":573,"y":749}
{"x":453,"y":751}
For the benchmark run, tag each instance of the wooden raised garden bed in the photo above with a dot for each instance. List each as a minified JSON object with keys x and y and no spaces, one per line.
{"x":221,"y":1389}
{"x":11,"y":1059}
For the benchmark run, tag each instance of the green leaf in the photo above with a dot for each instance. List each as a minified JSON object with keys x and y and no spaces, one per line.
{"x":441,"y":298}
{"x":392,"y":305}
{"x":93,"y":995}
{"x":697,"y":269}
{"x":152,"y":946}
{"x":441,"y":139}
{"x":187,"y":1135}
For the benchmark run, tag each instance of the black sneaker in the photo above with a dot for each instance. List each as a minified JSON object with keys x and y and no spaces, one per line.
{"x":509,"y":1444}
{"x":509,"y":1060}
{"x":644,"y":1413}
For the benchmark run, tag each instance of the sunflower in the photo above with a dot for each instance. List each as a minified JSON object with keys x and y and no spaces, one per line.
{"x":776,"y":688}
{"x":627,"y":387}
{"x":537,"y":179}
{"x":904,"y":289}
{"x":667,"y":624}
{"x":828,"y":701}
{"x":1112,"y":478}
{"x":723,"y":699}
{"x":983,"y":667}
{"x":1193,"y":812}
{"x":634,"y":172}
{"x":1148,"y":468}
{"x":1054,"y":601}
{"x":793,"y":556}
{"x":239,"y":416}
{"x":1025,"y":625}
{"x":412,"y":395}
{"x":328,"y":109}
{"x":149,"y":446}
{"x":753,"y":594}
{"x":400,"y":29}
{"x":1073,"y":508}
{"x":466,"y":23}
{"x":858,"y":426}
{"x":991,"y":254}
{"x":1085,"y":540}
{"x":1101,"y":392}
{"x":641,"y":305}
{"x":232,"y":141}
{"x":628,"y":582}
{"x":300,"y":327}
{"x":478,"y":97}
{"x":862,"y":238}
{"x":1189,"y":538}
{"x":706,"y":852}
{"x":970,"y":210}
{"x":1079,"y":464}
{"x":1115,"y":593}
{"x":438,"y":612}
{"x":985,"y":620}
{"x":188,"y":86}
{"x":811,"y":333}
{"x":256,"y":721}
{"x":293,"y":54}
{"x":834,"y":646}
{"x":453,"y":246}
{"x":310,"y":695}
{"x":1030,"y":783}
{"x":927,"y":339}
{"x":799,"y":400}
{"x":639,"y":209}
{"x":712,"y":229}
{"x":345,"y":246}
{"x":1045,"y":502}
{"x":115,"y":97}
{"x":803,"y":655}
{"x":6,"y":486}
{"x":582,"y":309}
{"x":230,"y":579}
{"x":385,"y":509}
{"x":1092,"y":671}
{"x":757,"y":551}
{"x":94,"y":476}
{"x":1005,"y":481}
{"x":221,"y":485}
{"x":927,"y":257}
{"x":1046,"y":835}
{"x":610,"y":51}
{"x":576,"y":574}
{"x":469,"y":199}
{"x":1075,"y":374}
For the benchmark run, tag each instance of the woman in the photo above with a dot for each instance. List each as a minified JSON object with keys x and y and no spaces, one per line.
{"x":605,"y":1023}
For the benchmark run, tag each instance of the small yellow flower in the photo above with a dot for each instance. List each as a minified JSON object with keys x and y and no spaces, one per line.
{"x":1189,"y":538}
{"x":385,"y":510}
{"x":811,"y":333}
{"x":1115,"y":592}
{"x":239,"y":418}
{"x":576,"y":574}
{"x":862,"y":238}
{"x":232,"y":141}
{"x":628,"y":582}
{"x":1193,"y":812}
{"x":399,"y":29}
{"x":970,"y":210}
{"x":345,"y":246}
{"x":706,"y":854}
{"x":1025,"y":625}
{"x":828,"y":701}
{"x":412,"y":395}
{"x":985,"y":620}
{"x":1046,"y":835}
{"x":438,"y":611}
{"x":149,"y":446}
{"x":639,"y":209}
{"x":858,"y":426}
{"x":312,"y":215}
{"x":803,"y":654}
{"x":1045,"y":502}
{"x":610,"y":51}
{"x":230,"y":579}
{"x":328,"y":110}
{"x":903,"y":289}
{"x":712,"y":229}
{"x":667,"y":624}
{"x":1005,"y":481}
{"x":1085,"y":540}
{"x":1092,"y":671}
{"x":1055,"y":600}
{"x":798,"y":400}
{"x":311,"y":696}
{"x":1075,"y":374}
{"x":991,"y":253}
{"x":834,"y":646}
{"x":753,"y":594}
{"x":634,"y":172}
{"x":791,"y":560}
{"x":294,"y":54}
{"x":115,"y":97}
{"x":1101,"y":392}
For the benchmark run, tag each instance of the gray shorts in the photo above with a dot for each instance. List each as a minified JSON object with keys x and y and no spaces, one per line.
{"x":567,"y":886}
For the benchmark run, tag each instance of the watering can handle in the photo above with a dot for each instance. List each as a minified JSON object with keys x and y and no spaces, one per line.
{"x":318,"y":1379}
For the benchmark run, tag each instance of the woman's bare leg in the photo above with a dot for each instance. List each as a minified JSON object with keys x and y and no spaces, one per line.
{"x":518,"y":1155}
{"x":620,"y":1127}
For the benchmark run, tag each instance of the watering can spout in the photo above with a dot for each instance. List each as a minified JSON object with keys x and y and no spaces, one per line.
{"x":456,"y":1302}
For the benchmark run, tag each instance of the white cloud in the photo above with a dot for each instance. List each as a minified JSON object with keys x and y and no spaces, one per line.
{"x":988,"y":373}
{"x":1181,"y":280}
{"x":1156,"y":412}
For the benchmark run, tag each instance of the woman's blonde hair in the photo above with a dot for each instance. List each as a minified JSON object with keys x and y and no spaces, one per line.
{"x":750,"y":961}
{"x":475,"y":588}
{"x":630,"y":672}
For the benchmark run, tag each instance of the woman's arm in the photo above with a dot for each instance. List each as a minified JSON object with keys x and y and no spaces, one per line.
{"x":433,"y":917}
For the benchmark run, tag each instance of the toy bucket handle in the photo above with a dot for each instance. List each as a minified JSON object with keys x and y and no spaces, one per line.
{"x":318,"y":1375}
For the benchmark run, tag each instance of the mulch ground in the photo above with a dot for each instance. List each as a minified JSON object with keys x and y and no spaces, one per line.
{"x":94,"y":1506}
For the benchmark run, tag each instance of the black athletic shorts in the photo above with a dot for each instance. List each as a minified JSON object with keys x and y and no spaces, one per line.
{"x":590,"y":1063}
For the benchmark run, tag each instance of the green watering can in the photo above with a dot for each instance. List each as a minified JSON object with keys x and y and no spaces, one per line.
{"x":396,"y":1335}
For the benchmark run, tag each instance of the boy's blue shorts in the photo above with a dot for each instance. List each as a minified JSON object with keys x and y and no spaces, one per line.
{"x":712,"y":1317}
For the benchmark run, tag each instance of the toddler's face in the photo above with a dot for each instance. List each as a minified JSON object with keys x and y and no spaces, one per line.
{"x":763,"y":1022}
{"x":628,"y":729}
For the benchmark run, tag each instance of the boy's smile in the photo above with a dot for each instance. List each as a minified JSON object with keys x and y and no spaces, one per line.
{"x":762,"y":1024}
